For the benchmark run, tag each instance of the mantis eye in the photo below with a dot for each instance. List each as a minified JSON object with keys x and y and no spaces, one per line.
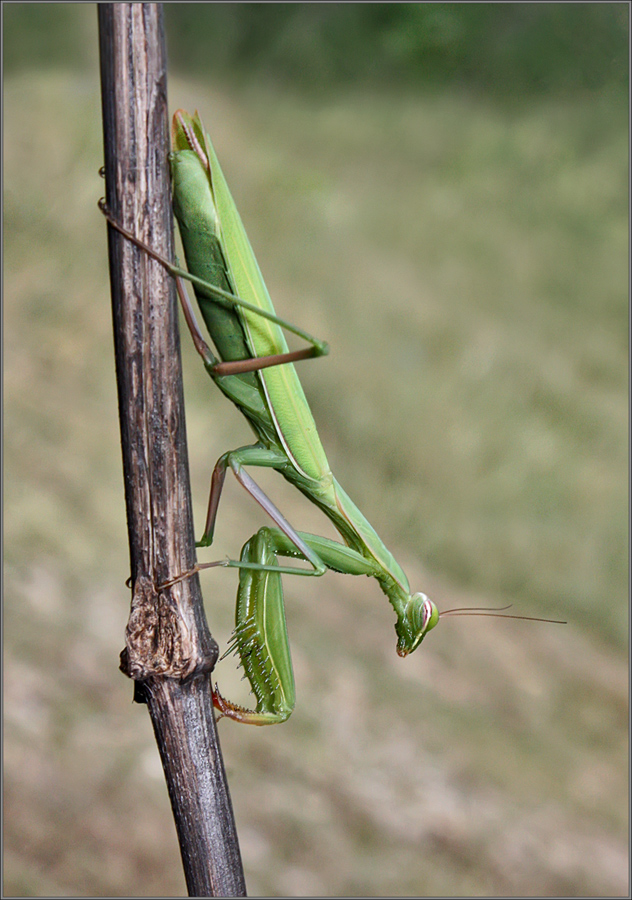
{"x":428,"y":614}
{"x":420,"y":617}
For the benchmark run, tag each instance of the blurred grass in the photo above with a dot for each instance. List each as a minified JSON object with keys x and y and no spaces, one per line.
{"x":507,"y":50}
{"x":469,"y":267}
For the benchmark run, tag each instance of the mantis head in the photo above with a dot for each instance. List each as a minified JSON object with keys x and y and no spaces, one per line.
{"x":421,"y":616}
{"x":187,"y":133}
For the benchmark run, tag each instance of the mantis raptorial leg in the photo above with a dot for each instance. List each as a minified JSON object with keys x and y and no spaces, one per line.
{"x":260,"y":638}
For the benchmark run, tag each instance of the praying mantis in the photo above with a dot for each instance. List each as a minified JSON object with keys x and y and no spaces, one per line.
{"x":255,"y":370}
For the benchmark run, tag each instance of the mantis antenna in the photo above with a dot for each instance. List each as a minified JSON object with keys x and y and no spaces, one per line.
{"x":496,"y":613}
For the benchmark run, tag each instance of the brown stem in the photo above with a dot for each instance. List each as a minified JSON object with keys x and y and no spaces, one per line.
{"x":169,"y":649}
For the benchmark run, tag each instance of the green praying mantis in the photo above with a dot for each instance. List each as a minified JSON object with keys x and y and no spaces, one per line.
{"x":254,"y":369}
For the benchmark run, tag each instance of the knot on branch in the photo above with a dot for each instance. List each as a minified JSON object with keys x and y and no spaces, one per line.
{"x":158,"y":641}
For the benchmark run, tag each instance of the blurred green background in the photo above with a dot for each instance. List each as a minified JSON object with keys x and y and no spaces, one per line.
{"x":441,"y":191}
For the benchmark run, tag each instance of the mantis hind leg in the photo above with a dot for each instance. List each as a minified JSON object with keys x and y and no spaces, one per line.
{"x":215,"y":366}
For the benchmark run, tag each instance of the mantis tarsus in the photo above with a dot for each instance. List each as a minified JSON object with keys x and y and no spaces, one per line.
{"x":255,"y":370}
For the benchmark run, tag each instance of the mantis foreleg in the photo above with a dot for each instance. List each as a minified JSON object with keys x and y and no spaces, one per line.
{"x":260,"y":638}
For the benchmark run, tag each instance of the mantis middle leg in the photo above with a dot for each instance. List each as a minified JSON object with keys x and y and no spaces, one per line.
{"x":257,"y":455}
